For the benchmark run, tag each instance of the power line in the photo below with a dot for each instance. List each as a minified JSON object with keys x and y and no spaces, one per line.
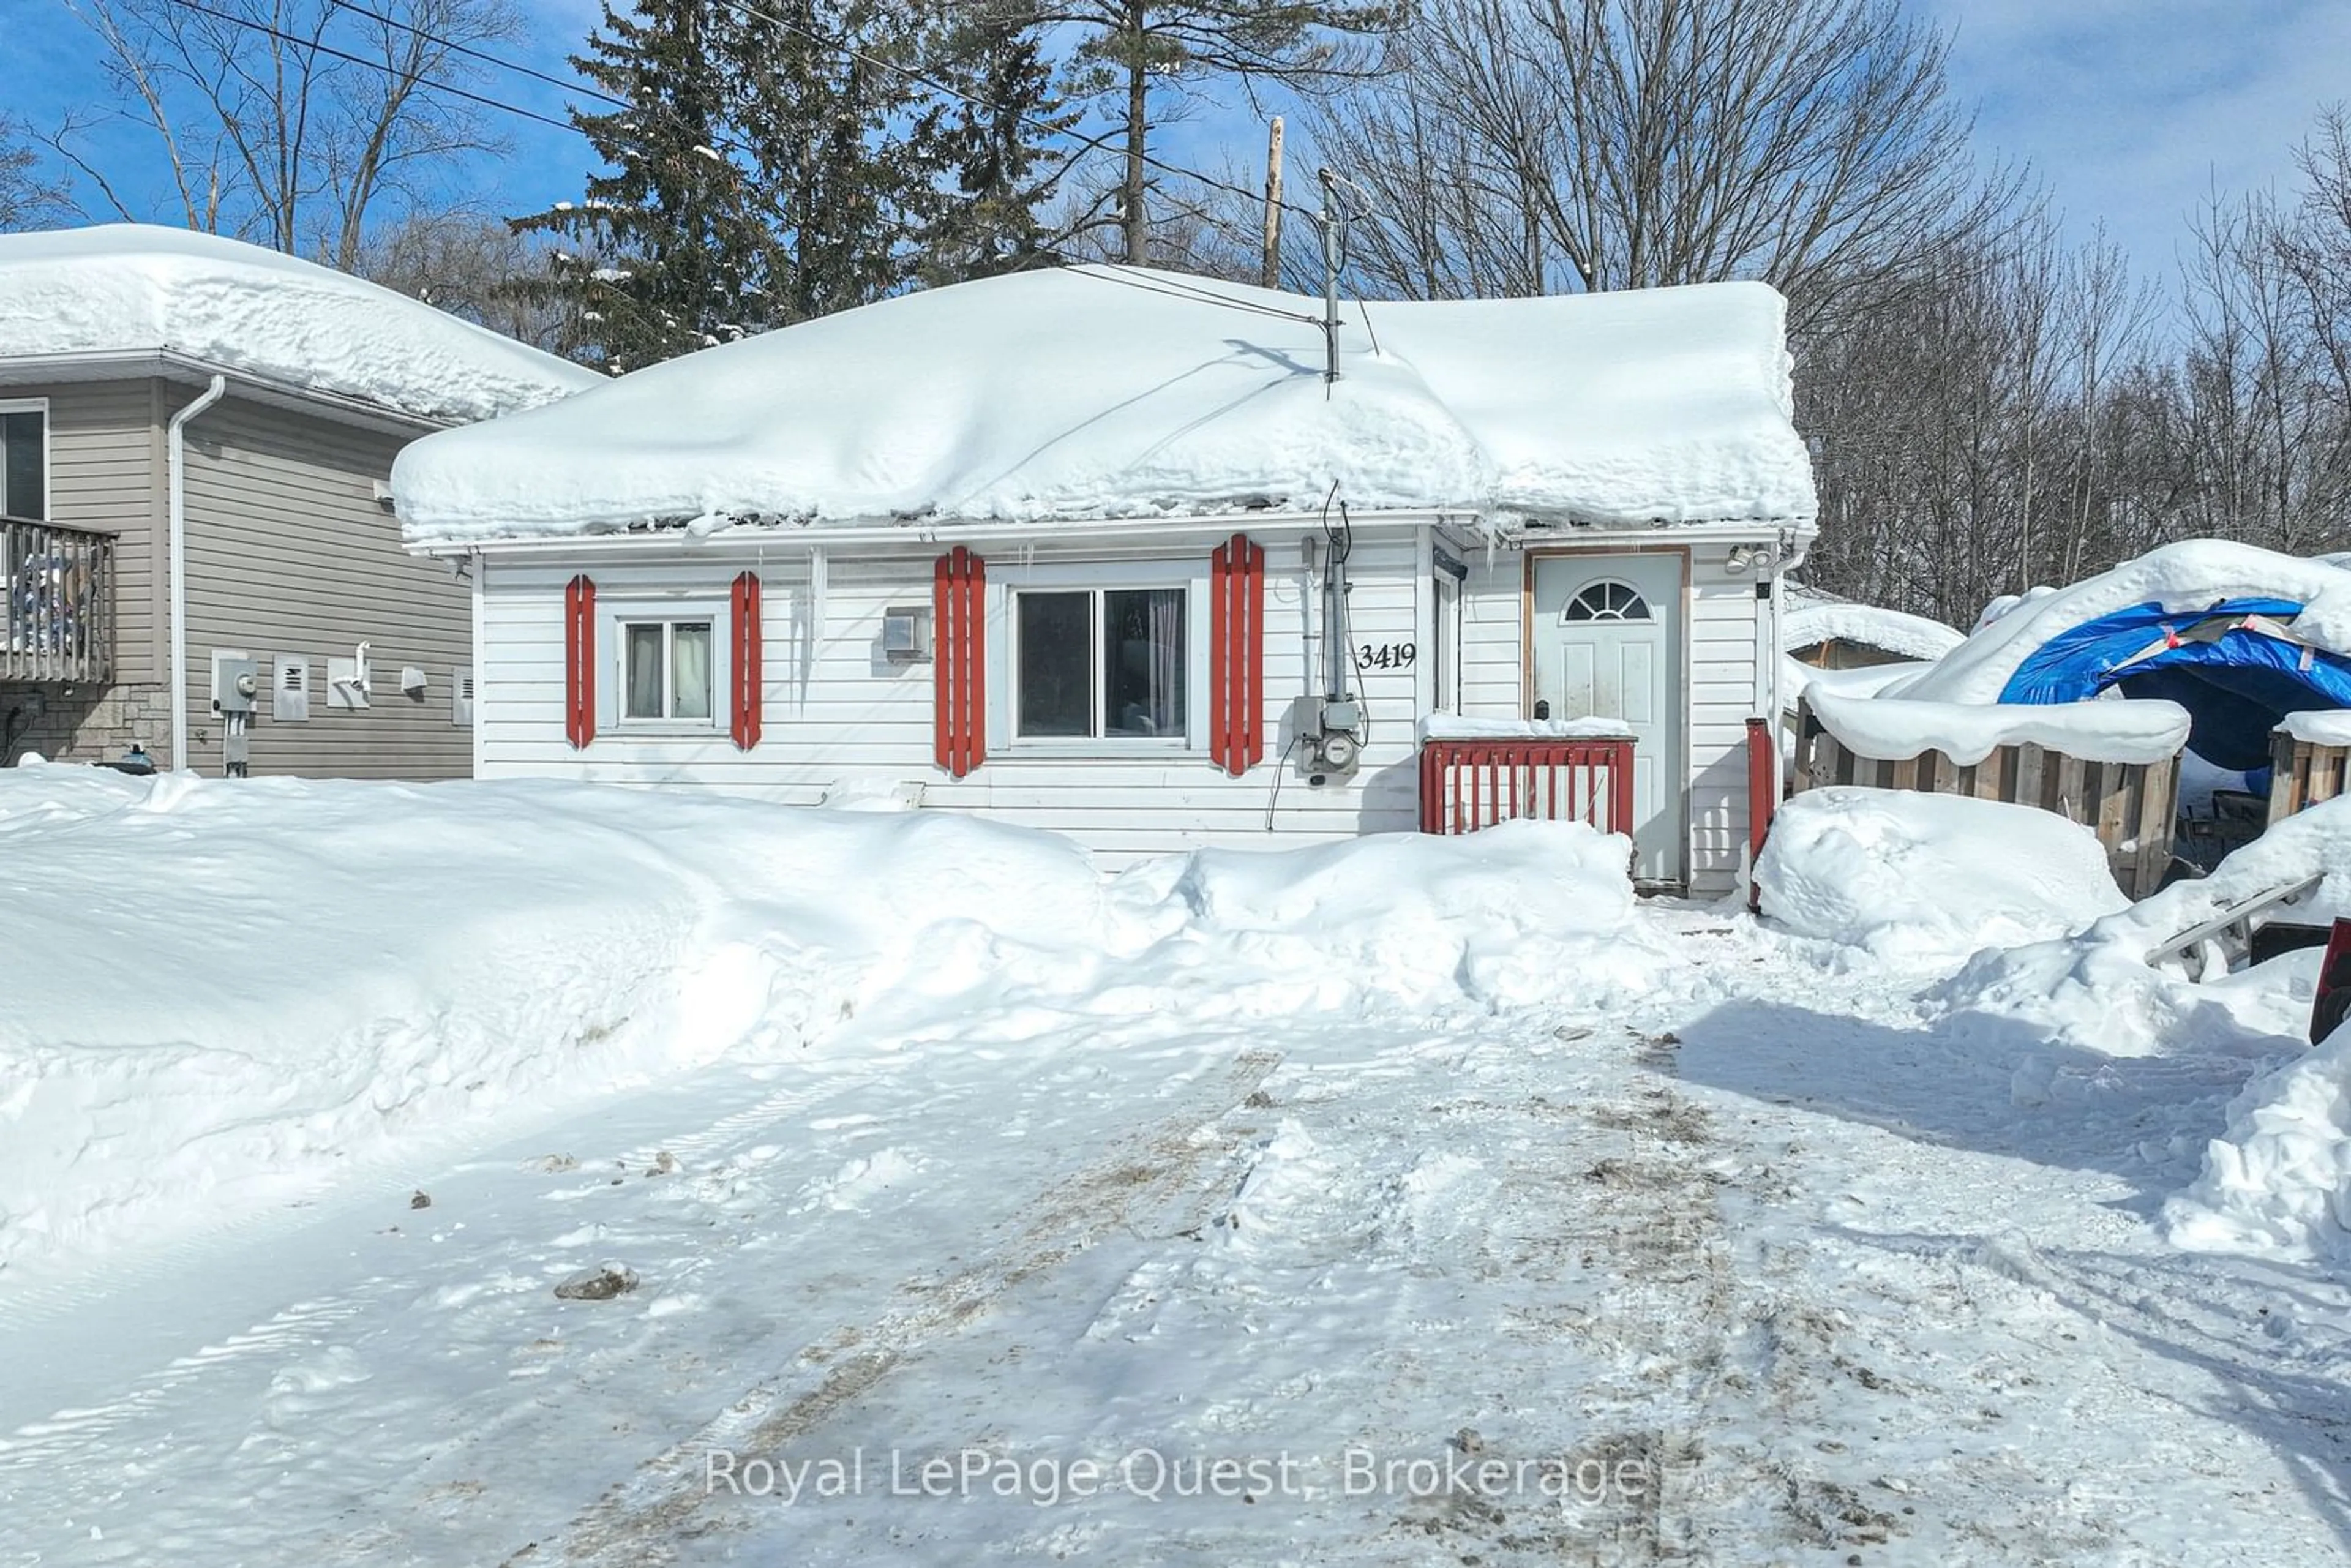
{"x":484,"y":55}
{"x":1119,"y":273}
{"x":329,"y":49}
{"x":849,"y":50}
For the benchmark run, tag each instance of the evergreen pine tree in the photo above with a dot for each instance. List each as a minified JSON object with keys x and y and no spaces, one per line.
{"x":674,"y":251}
{"x":995,"y":140}
{"x":792,"y":159}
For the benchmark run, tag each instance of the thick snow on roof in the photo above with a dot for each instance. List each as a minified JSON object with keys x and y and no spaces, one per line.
{"x":2186,"y":577}
{"x":138,"y":288}
{"x":1090,"y":393}
{"x":1895,"y":729}
{"x":1809,"y":622}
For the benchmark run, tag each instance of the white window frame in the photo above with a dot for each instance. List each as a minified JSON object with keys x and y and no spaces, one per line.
{"x":613,"y":618}
{"x":39,"y":405}
{"x":1003,"y":658}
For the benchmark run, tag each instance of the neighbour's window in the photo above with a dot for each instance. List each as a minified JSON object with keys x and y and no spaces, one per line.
{"x":24,"y":477}
{"x":665,"y":670}
{"x":1099,"y":663}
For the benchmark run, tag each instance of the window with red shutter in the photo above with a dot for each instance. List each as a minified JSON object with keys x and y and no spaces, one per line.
{"x":959,"y":661}
{"x":743,"y":674}
{"x":580,"y":662}
{"x":1237,"y":654}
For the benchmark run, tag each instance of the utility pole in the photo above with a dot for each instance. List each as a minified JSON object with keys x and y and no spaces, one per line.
{"x":1270,"y":274}
{"x":1330,"y":275}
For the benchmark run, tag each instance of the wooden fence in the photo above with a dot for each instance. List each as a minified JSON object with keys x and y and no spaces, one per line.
{"x":2302,"y":773}
{"x":1468,"y":784}
{"x":2129,"y":805}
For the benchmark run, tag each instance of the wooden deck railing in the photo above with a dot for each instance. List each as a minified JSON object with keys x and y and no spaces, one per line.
{"x":2129,"y":805}
{"x":58,"y":621}
{"x":1465,"y":785}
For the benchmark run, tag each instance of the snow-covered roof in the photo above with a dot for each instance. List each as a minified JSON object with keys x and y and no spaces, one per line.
{"x":1094,"y":393}
{"x":1895,"y":729}
{"x":2191,"y":576}
{"x":138,"y":288}
{"x":1814,"y":617}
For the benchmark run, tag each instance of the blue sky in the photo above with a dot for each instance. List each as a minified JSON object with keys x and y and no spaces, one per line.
{"x":2131,"y":111}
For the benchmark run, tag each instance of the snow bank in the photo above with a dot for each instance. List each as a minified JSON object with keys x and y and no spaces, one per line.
{"x":1453,"y":727}
{"x":2186,"y":576}
{"x":2319,"y":726}
{"x":1812,"y":621}
{"x":2278,"y":1182}
{"x":216,"y":991}
{"x":1891,"y":728}
{"x":1518,"y":912}
{"x":213,"y":984}
{"x":1113,"y":393}
{"x":2094,"y":990}
{"x":1924,"y":878}
{"x":136,"y":289}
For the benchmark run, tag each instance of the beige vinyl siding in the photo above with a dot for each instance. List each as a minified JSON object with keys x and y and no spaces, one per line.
{"x":288,"y":551}
{"x":836,"y":710}
{"x":106,"y":473}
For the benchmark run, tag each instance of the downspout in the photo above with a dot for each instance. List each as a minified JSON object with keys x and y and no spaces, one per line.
{"x":176,"y":550}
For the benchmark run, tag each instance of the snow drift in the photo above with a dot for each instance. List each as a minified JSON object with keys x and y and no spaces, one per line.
{"x":218,"y":989}
{"x":1893,"y":728}
{"x":1922,"y":878}
{"x":137,"y":288}
{"x":1116,"y":393}
{"x":1810,"y":621}
{"x":2277,"y":1183}
{"x":2186,"y":578}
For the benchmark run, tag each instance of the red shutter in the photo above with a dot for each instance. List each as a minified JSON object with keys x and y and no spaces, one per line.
{"x":580,"y":661}
{"x":743,"y":717}
{"x":959,"y":660}
{"x":1237,"y":654}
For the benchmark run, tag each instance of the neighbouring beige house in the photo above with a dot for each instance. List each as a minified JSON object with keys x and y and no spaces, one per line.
{"x":196,"y":438}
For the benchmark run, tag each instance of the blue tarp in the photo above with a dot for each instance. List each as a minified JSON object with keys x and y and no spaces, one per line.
{"x":2235,"y":686}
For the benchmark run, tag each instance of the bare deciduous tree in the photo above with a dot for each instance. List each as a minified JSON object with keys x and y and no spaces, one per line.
{"x":293,"y":122}
{"x":1136,"y":48}
{"x":29,"y":199}
{"x":1540,"y":146}
{"x":468,"y":264}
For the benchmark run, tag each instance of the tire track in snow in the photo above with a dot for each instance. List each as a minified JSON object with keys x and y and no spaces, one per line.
{"x":639,"y":1521}
{"x":66,"y":1435}
{"x":75,"y":1438}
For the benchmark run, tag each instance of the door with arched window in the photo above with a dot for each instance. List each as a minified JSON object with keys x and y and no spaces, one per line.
{"x":1607,"y":645}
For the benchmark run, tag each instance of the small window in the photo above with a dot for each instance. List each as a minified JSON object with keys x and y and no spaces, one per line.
{"x":1101,"y":663}
{"x":1608,"y":602}
{"x":665,"y":671}
{"x":24,"y":465}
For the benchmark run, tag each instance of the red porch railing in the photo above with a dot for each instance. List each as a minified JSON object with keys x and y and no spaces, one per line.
{"x":1465,"y":785}
{"x":1762,"y":801}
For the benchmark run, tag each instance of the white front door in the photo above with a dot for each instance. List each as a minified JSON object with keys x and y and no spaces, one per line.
{"x":1607,"y":645}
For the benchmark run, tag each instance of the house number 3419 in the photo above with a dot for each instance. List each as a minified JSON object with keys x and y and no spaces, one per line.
{"x":1388,"y":655}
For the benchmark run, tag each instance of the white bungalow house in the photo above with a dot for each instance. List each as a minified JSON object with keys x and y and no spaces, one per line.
{"x":1113,"y":552}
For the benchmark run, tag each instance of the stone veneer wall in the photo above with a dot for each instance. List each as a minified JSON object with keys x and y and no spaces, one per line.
{"x":85,"y":723}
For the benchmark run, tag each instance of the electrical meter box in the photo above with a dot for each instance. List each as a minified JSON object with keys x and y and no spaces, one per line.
{"x":236,"y":681}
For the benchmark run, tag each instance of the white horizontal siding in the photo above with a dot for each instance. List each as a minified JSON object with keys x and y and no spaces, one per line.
{"x":835,"y":709}
{"x":1719,"y":630}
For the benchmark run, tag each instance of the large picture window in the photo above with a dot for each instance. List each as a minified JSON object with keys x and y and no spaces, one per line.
{"x":1104,"y":663}
{"x":665,"y":671}
{"x":24,"y":462}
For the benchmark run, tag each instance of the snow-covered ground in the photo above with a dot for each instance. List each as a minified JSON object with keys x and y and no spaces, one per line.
{"x":1408,"y":1201}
